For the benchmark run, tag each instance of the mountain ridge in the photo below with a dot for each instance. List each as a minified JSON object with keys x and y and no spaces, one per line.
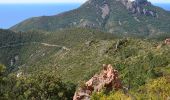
{"x":114,"y":16}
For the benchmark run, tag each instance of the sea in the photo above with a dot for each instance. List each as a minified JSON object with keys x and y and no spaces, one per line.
{"x":11,"y":14}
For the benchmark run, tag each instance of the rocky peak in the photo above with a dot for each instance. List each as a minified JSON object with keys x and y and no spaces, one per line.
{"x":135,"y":7}
{"x":139,"y":7}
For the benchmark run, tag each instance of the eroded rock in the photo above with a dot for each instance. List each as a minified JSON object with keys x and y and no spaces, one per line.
{"x":86,"y":23}
{"x":137,"y":7}
{"x":108,"y":79}
{"x":167,"y":41}
{"x":105,"y":11}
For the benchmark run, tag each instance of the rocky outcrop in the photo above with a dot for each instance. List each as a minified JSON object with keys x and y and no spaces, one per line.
{"x":14,"y":60}
{"x":136,"y":18}
{"x":167,"y":41}
{"x":86,"y":23}
{"x":105,"y":11}
{"x":138,"y":7}
{"x":108,"y":79}
{"x":89,"y":43}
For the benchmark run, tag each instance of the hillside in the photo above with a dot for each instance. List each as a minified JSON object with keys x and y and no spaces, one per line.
{"x":121,"y":17}
{"x":22,"y":45}
{"x":50,"y":57}
{"x":75,"y":55}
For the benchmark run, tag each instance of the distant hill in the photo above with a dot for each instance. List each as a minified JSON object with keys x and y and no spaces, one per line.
{"x":123,"y":17}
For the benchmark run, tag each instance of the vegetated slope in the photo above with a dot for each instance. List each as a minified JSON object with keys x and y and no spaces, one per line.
{"x":137,"y":58}
{"x":121,"y":17}
{"x":158,"y":88}
{"x":12,"y":42}
{"x":19,"y":52}
{"x":75,"y":55}
{"x":17,"y":48}
{"x":78,"y":53}
{"x":138,"y":61}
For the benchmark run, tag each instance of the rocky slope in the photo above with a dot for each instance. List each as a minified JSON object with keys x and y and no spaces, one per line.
{"x":123,"y":17}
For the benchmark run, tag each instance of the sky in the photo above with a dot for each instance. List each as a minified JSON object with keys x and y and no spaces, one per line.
{"x":62,"y":1}
{"x":42,"y":1}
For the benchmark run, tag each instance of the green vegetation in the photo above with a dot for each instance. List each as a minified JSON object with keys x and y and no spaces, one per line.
{"x":51,"y":72}
{"x":157,"y":89}
{"x":52,"y":55}
{"x":43,"y":85}
{"x":90,"y":15}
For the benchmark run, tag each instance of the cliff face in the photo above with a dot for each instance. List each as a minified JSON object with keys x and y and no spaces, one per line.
{"x":139,"y":7}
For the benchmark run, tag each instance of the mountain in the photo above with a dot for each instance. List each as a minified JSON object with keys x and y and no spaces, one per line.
{"x":44,"y":55}
{"x":123,"y":17}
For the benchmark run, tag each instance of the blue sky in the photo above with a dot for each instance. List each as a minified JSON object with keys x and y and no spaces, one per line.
{"x":63,"y":1}
{"x":42,"y":1}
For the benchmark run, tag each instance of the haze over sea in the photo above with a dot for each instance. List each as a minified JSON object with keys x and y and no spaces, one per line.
{"x":11,"y":14}
{"x":163,"y":5}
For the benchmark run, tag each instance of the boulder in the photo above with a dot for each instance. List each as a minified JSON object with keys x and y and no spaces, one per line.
{"x":88,"y":43}
{"x":151,"y":13}
{"x":108,"y":79}
{"x":144,"y":11}
{"x":87,"y":24}
{"x":167,"y":41}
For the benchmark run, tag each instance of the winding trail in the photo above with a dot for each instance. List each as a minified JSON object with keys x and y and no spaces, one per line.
{"x":40,"y":43}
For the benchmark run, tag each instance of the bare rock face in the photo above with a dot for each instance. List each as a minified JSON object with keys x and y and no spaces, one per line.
{"x":105,"y":11}
{"x":137,"y":7}
{"x":167,"y":41}
{"x":108,"y":78}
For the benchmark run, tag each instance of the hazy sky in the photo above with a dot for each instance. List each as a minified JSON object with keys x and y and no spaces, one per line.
{"x":63,"y":1}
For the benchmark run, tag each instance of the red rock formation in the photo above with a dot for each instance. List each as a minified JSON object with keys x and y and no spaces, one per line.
{"x":108,"y":78}
{"x":167,"y":41}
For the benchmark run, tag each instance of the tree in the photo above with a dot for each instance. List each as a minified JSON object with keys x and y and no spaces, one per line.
{"x":2,"y":69}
